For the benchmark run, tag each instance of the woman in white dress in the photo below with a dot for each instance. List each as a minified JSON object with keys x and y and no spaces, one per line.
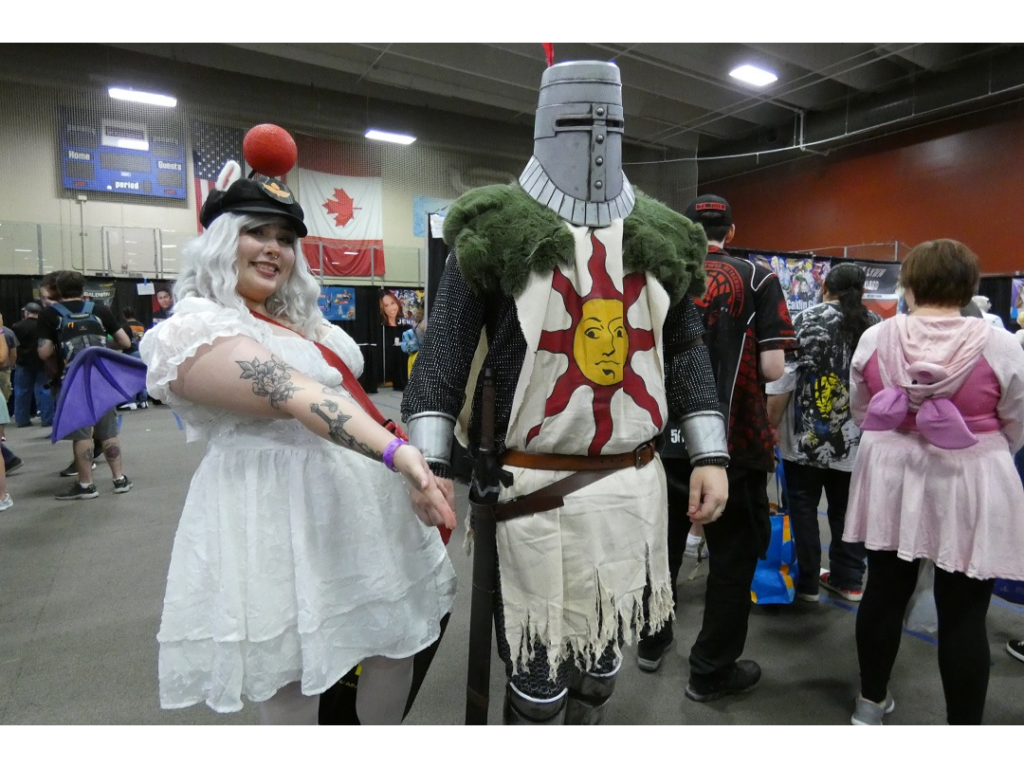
{"x":299,"y":555}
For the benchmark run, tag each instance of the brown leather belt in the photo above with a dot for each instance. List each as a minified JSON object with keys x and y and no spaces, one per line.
{"x":642,"y":456}
{"x":586,"y":469}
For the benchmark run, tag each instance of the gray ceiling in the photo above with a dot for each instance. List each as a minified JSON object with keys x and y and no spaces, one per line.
{"x":678,"y":97}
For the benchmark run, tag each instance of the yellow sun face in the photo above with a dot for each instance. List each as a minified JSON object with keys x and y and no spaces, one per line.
{"x":601,"y":344}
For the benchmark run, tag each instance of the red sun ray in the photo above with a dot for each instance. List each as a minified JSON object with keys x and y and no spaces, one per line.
{"x":561,"y":342}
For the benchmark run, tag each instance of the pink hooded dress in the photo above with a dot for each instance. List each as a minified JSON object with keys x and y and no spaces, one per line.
{"x":940,"y":401}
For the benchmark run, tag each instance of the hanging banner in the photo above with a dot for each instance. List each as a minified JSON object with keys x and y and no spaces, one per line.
{"x":342,"y":194}
{"x":99,"y":290}
{"x":880,"y":281}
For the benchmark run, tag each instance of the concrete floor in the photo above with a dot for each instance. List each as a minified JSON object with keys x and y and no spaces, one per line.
{"x":81,"y":589}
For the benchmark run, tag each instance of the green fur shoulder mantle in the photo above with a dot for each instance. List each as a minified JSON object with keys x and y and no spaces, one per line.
{"x":500,"y":235}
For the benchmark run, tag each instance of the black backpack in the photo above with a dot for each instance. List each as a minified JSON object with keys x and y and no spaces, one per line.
{"x":78,"y":330}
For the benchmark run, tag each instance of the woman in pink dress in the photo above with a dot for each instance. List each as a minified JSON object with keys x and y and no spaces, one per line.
{"x":940,"y":400}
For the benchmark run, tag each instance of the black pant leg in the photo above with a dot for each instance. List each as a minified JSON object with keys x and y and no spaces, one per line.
{"x":677,"y":476}
{"x":847,"y":560}
{"x":891,"y":583}
{"x":735,"y":542}
{"x":964,"y":656}
{"x":803,"y":486}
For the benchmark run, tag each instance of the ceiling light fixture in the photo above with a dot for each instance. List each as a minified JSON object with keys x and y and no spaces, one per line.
{"x":395,"y":138}
{"x":142,"y":97}
{"x":748,"y":73}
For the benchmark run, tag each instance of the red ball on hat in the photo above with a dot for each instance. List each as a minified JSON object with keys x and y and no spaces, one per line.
{"x":269,"y":149}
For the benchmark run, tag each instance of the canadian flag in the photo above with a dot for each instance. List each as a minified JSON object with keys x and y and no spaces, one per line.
{"x":344,"y":213}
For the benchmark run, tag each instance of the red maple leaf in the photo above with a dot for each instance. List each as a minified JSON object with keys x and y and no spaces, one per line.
{"x":340,"y":207}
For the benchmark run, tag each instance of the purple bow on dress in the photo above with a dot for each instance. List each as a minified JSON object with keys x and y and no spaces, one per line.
{"x":938,"y":420}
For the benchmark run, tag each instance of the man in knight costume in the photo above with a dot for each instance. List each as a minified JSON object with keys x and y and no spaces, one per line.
{"x":582,"y":291}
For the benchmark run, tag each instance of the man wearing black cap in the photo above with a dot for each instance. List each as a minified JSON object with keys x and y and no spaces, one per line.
{"x":748,"y":330}
{"x":29,"y":376}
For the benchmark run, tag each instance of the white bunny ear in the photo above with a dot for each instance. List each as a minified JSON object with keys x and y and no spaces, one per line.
{"x":231,"y":173}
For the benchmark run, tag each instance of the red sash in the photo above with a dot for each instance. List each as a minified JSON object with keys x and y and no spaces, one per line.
{"x":350,"y":382}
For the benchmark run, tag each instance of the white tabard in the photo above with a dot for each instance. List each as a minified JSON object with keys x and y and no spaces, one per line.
{"x":592,"y":383}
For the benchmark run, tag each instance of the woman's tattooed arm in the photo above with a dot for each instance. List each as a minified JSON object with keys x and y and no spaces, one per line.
{"x":328,"y":411}
{"x":270,"y":379}
{"x":273,"y":380}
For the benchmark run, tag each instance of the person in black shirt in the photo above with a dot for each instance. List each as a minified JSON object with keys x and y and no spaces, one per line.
{"x":29,"y":377}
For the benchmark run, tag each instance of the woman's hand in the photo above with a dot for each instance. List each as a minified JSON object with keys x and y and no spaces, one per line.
{"x":433,"y":498}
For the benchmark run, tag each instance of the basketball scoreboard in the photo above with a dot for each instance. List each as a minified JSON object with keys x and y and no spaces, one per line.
{"x":103,"y":154}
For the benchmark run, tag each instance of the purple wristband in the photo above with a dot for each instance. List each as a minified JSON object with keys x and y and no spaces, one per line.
{"x":389,"y":452}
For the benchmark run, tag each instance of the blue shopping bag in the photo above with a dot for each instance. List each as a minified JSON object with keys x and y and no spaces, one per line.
{"x":1010,"y":591}
{"x":774,"y":577}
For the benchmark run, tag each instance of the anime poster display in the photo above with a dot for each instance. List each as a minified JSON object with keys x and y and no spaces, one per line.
{"x":1017,"y":301}
{"x":399,"y":306}
{"x":337,"y":302}
{"x":802,"y":278}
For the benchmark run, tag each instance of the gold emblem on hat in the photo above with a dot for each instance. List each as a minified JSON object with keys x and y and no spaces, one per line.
{"x":281,"y":193}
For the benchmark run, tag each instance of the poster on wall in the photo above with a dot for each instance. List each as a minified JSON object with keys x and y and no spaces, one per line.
{"x":421,"y":207}
{"x":398,"y":306}
{"x":1017,"y":301}
{"x":337,"y":302}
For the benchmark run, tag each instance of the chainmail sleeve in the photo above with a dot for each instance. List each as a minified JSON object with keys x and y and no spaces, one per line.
{"x":690,"y":382}
{"x":457,"y":317}
{"x":689,"y":377}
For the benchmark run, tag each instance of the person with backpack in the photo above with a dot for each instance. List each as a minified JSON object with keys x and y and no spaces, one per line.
{"x":65,"y":328}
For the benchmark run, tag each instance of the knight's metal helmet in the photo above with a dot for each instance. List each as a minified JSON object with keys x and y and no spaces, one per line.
{"x":576,"y":169}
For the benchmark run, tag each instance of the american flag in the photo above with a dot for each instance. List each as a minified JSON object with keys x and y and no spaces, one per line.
{"x":212,"y":147}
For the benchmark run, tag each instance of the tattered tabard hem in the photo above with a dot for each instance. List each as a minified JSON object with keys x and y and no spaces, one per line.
{"x":573,"y":579}
{"x":525,"y":636}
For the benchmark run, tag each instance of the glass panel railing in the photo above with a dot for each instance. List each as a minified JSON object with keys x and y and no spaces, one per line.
{"x":35,"y":249}
{"x":19,"y":248}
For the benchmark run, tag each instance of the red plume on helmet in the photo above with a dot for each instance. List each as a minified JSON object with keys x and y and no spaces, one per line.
{"x":549,"y":52}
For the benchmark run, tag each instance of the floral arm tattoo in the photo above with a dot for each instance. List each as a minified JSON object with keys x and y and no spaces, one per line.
{"x":328,"y":411}
{"x":270,"y":379}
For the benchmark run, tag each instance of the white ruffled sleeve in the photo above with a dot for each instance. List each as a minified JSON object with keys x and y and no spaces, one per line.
{"x":175,"y":340}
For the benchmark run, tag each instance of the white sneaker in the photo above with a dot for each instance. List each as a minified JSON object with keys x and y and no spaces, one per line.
{"x":869,"y":713}
{"x":6,"y":502}
{"x":693,"y":548}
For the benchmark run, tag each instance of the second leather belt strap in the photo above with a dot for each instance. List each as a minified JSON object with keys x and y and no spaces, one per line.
{"x":586,"y":470}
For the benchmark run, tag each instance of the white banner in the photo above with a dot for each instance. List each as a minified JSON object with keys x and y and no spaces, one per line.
{"x":340,"y":207}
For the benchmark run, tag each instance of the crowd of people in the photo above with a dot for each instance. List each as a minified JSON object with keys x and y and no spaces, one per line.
{"x":311,"y":542}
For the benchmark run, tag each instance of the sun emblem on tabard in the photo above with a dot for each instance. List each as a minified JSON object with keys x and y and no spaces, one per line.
{"x":599,"y":345}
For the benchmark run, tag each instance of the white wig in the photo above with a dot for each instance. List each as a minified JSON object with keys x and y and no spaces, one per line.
{"x":210,"y":271}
